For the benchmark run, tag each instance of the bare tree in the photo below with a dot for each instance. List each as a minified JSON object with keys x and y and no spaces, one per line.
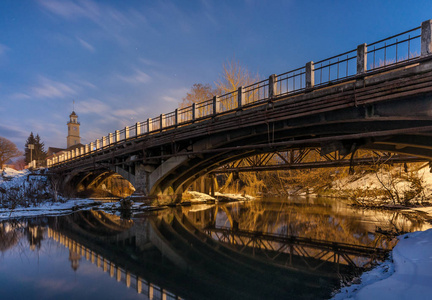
{"x":234,"y":75}
{"x":199,"y":92}
{"x":8,"y":150}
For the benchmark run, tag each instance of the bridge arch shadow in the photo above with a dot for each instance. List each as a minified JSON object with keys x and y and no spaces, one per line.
{"x":98,"y":183}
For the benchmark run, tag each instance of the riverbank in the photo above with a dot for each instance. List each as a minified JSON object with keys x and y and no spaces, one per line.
{"x":406,"y":275}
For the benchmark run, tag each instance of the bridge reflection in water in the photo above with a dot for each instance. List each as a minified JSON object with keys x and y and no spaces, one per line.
{"x":166,"y":256}
{"x":78,"y":251}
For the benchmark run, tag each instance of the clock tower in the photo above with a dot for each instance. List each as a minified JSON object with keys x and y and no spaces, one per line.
{"x":73,"y":137}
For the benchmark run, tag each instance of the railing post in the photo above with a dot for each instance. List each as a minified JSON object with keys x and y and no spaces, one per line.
{"x":272,"y":91}
{"x":310,"y":75}
{"x":149,"y":125}
{"x":240,"y":97}
{"x":426,"y":38}
{"x":176,"y":117}
{"x":193,"y":111}
{"x":162,"y":121}
{"x":110,"y":138}
{"x":91,"y":147}
{"x":216,"y":105}
{"x":138,"y":128}
{"x":98,"y":144}
{"x":126,"y":132}
{"x":361,"y":59}
{"x":117,"y":136}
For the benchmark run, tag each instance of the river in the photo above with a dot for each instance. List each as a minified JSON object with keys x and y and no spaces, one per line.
{"x":297,"y":248}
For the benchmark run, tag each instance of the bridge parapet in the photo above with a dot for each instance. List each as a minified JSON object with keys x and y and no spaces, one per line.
{"x":349,"y":93}
{"x":350,"y":64}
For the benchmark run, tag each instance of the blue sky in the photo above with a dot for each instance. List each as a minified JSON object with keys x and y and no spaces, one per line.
{"x":125,"y":61}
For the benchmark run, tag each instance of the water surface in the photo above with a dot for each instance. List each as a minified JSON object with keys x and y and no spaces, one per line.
{"x":94,"y":254}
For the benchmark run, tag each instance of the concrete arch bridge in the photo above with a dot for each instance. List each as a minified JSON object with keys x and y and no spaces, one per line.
{"x":377,"y":96}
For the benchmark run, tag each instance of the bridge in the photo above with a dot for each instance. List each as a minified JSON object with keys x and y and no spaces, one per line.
{"x":376,"y":96}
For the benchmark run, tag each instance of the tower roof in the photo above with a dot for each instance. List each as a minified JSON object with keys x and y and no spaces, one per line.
{"x":73,"y":114}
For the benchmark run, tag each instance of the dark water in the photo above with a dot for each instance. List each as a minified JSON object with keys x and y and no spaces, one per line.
{"x":162,"y":255}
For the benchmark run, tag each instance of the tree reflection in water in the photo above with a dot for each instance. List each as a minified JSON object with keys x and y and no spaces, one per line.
{"x":316,"y":218}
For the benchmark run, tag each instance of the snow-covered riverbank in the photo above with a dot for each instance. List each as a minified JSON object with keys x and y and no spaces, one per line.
{"x":407,"y":275}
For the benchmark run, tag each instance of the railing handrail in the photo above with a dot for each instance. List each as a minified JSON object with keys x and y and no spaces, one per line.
{"x":263,"y":90}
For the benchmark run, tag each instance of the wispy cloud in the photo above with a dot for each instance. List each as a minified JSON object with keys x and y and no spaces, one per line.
{"x":86,"y":45}
{"x":93,"y":106}
{"x":73,"y":9}
{"x":47,"y":88}
{"x":97,"y":12}
{"x":52,"y":89}
{"x":175,"y":95}
{"x":20,"y":96}
{"x":136,"y":78}
{"x":113,"y":22}
{"x":149,"y":62}
{"x":3,"y":49}
{"x":12,"y":130}
{"x":128,"y":113}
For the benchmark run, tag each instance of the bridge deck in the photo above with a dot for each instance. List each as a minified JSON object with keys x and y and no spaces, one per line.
{"x":384,"y":108}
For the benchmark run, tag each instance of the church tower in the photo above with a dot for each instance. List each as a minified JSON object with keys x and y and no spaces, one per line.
{"x":73,"y":137}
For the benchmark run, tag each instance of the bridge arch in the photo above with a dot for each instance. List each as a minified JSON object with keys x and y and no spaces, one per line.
{"x":98,"y":182}
{"x":387,"y":108}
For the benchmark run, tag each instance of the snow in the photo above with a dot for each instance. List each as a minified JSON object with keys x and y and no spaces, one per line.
{"x":369,"y":181}
{"x":407,"y":275}
{"x":10,"y":177}
{"x":235,"y":196}
{"x":46,"y":209}
{"x":9,"y":172}
{"x":198,"y":197}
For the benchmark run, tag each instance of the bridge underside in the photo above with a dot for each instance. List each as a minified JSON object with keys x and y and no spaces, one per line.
{"x":386,"y":112}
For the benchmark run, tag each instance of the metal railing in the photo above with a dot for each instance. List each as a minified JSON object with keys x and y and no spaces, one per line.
{"x":336,"y":68}
{"x":393,"y":50}
{"x":291,"y":82}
